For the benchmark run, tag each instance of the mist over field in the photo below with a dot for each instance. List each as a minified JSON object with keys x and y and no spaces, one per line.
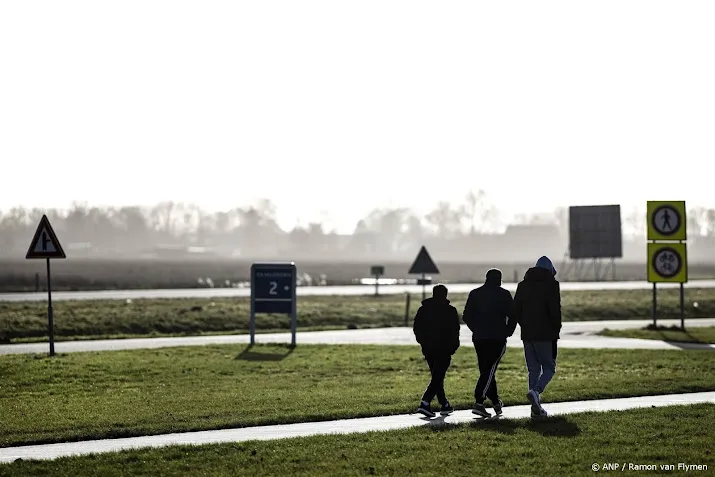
{"x":469,"y":231}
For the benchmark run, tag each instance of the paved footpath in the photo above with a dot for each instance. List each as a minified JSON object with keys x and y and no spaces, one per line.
{"x":343,"y":426}
{"x":574,"y":334}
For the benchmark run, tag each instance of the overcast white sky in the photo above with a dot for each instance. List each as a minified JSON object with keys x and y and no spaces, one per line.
{"x":336,"y":107}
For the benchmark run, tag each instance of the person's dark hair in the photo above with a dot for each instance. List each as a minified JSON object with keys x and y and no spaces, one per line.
{"x":439,"y":291}
{"x":494,"y":275}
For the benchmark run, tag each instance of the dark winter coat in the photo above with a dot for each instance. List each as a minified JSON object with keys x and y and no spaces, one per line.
{"x":537,"y":305}
{"x":489,"y":312}
{"x":436,"y":327}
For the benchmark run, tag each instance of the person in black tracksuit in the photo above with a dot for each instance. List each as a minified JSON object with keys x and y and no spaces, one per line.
{"x":489,"y":313}
{"x":436,"y":329}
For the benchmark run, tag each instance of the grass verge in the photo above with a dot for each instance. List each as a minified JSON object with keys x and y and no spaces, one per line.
{"x":77,"y":273}
{"x":559,"y":445}
{"x":695,"y":334}
{"x":27,"y":321}
{"x":128,"y":393}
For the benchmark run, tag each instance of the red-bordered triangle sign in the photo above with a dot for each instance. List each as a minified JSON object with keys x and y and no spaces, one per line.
{"x":423,"y":263}
{"x":45,"y":244}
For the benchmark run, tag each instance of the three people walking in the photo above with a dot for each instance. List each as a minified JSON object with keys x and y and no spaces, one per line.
{"x":492,"y":315}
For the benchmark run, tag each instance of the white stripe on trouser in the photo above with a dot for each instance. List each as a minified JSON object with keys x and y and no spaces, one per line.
{"x":492,"y":371}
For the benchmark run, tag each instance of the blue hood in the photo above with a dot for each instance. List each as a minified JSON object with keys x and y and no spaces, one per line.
{"x":545,"y":262}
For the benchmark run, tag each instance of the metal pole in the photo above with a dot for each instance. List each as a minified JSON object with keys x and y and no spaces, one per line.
{"x":293,"y":311}
{"x":655,"y":301}
{"x":424,"y":287}
{"x":595,"y":269}
{"x":613,"y":269}
{"x":682,"y":307}
{"x":407,"y":309}
{"x":377,"y":278}
{"x":50,"y":318}
{"x":252,"y":318}
{"x":37,"y":282}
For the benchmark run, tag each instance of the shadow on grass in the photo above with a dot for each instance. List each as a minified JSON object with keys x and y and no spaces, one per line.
{"x":686,"y":341}
{"x":248,"y":354}
{"x":662,"y":334}
{"x":553,"y":426}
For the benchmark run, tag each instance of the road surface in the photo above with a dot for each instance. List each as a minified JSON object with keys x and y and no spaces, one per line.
{"x":343,"y":426}
{"x":318,"y":291}
{"x":574,"y":334}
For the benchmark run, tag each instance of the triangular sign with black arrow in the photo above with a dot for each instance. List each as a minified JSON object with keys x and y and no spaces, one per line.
{"x":45,"y":244}
{"x":423,"y":263}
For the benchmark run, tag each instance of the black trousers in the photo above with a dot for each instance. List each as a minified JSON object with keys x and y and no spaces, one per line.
{"x":438,"y":366}
{"x":489,"y":354}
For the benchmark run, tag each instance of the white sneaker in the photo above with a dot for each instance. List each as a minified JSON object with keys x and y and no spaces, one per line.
{"x":535,"y":400}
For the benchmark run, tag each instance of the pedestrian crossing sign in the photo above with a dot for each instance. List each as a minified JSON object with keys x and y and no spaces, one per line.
{"x":666,"y":220}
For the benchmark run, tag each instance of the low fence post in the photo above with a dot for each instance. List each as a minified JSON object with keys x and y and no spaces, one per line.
{"x":407,"y":309}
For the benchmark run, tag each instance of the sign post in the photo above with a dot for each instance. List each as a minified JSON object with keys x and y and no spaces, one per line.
{"x":377,"y":271}
{"x":423,"y":264}
{"x":667,"y":249}
{"x":273,"y":290}
{"x":45,"y":245}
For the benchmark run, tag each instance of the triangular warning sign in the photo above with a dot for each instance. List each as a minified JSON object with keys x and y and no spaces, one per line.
{"x":45,"y":244}
{"x":423,"y":263}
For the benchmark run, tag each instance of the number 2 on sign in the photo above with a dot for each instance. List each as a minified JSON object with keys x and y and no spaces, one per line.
{"x":272,"y":290}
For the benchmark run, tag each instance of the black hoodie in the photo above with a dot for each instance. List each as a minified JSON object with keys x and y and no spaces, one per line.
{"x":436,"y":327}
{"x":537,"y":305}
{"x":489,"y":312}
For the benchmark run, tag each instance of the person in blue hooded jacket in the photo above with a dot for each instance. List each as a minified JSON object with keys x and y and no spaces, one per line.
{"x":537,"y":306}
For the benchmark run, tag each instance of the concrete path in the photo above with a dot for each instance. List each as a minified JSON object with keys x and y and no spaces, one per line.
{"x":343,"y":426}
{"x":575,"y":334}
{"x":320,"y":291}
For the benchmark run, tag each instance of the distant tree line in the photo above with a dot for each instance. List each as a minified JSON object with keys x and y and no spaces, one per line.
{"x":471,"y":230}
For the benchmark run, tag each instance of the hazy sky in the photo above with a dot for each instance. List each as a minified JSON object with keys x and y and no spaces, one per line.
{"x":334,"y":107}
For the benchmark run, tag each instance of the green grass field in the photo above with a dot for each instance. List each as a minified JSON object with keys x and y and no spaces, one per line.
{"x":695,"y":334}
{"x":560,"y":445}
{"x":27,"y":321}
{"x":128,"y":393}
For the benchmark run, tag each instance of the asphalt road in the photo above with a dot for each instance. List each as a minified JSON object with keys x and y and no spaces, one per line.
{"x":318,"y":291}
{"x":343,"y":426}
{"x":574,"y":334}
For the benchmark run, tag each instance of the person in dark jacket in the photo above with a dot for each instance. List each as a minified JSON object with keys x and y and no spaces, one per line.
{"x":489,"y":313}
{"x":538,"y":311}
{"x":436,"y":329}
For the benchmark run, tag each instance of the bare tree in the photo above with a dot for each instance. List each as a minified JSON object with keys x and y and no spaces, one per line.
{"x":635,"y":220}
{"x":162,"y":218}
{"x":710,"y":223}
{"x":561,"y":218}
{"x":390,"y":226}
{"x":445,"y":220}
{"x":474,"y":209}
{"x":697,"y":221}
